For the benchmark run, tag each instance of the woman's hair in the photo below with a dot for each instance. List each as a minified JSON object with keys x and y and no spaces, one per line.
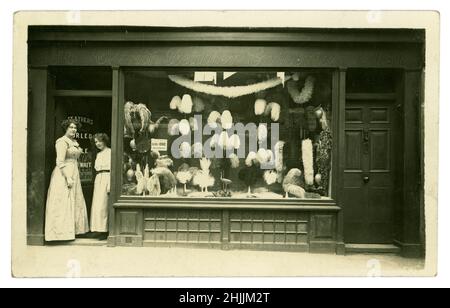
{"x":102,"y":137}
{"x":66,"y":123}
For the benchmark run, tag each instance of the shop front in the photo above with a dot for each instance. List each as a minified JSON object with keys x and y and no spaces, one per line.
{"x":300,"y":140}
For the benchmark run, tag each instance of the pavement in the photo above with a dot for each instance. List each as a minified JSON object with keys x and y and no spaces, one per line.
{"x":102,"y":261}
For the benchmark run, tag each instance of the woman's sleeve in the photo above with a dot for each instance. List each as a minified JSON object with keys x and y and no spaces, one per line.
{"x":61,"y":149}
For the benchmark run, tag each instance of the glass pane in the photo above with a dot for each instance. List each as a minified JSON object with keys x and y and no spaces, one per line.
{"x":227,"y":134}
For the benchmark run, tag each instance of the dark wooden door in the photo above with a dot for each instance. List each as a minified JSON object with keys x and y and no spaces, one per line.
{"x":370,"y":171}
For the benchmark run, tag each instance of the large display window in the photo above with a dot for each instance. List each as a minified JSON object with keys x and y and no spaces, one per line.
{"x":227,"y":134}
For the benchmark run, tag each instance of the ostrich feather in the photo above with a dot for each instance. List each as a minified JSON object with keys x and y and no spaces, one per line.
{"x":145,"y":115}
{"x":197,"y":149}
{"x":275,"y":111}
{"x":213,"y":117}
{"x":198,"y":104}
{"x":175,"y":103}
{"x":205,"y":163}
{"x":234,"y":142}
{"x":153,"y":186}
{"x":308,"y":161}
{"x":128,"y":109}
{"x":186,"y":104}
{"x":183,"y":176}
{"x":223,"y":139}
{"x":140,"y":180}
{"x":262,"y":132}
{"x":292,"y":182}
{"x":234,"y":161}
{"x":183,"y":167}
{"x":297,"y":191}
{"x":260,"y":106}
{"x":152,"y":127}
{"x":226,"y":119}
{"x":173,"y":127}
{"x":262,"y":156}
{"x":270,"y":177}
{"x":164,"y":162}
{"x":184,"y":127}
{"x":193,"y":123}
{"x":250,"y":158}
{"x":185,"y":150}
{"x":279,"y":146}
{"x":214,"y":141}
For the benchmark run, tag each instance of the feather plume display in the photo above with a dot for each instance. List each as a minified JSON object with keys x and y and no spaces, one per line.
{"x":184,"y":127}
{"x":213,"y":117}
{"x":226,"y":119}
{"x":186,"y":104}
{"x":279,"y":163}
{"x":292,"y":182}
{"x":175,"y":103}
{"x":308,"y":161}
{"x":198,"y":104}
{"x":270,"y":177}
{"x":234,"y":161}
{"x":260,"y":106}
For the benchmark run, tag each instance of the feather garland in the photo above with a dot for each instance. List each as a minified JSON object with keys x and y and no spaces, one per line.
{"x":305,"y":95}
{"x":229,"y":92}
{"x":308,"y":161}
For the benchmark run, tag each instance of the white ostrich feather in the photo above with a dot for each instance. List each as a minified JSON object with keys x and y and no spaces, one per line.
{"x":186,"y":104}
{"x":308,"y":161}
{"x":175,"y":103}
{"x":260,"y":106}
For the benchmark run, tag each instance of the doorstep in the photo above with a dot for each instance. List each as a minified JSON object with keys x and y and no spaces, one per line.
{"x":87,"y":242}
{"x":371,"y":248}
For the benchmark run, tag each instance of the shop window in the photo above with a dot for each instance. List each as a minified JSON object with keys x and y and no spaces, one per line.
{"x":227,"y":134}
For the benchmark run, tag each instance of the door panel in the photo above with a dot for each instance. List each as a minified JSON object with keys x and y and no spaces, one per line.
{"x":369,"y":174}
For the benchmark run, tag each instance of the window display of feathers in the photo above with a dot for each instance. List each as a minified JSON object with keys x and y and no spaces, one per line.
{"x":323,"y":159}
{"x":303,"y":96}
{"x":202,"y":177}
{"x":292,"y":183}
{"x":308,"y":161}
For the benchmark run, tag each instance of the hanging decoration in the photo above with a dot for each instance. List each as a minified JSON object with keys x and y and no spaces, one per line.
{"x":229,"y":92}
{"x":303,"y":96}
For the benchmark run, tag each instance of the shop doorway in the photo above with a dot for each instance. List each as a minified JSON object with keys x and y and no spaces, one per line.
{"x":94,"y":114}
{"x":371,"y":170}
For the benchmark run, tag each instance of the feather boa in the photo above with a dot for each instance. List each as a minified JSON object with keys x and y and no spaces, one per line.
{"x":229,"y":92}
{"x":305,"y":95}
{"x":308,"y":162}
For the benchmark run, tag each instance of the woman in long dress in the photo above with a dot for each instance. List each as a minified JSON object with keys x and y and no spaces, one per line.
{"x":66,"y":214}
{"x":99,"y":210}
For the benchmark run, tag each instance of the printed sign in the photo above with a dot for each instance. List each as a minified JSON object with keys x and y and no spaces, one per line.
{"x":159,"y":144}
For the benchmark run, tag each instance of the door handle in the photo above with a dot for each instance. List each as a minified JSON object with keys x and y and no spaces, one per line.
{"x":366,"y":179}
{"x":366,"y":141}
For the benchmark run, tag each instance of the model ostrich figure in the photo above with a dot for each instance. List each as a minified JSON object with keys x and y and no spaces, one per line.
{"x":202,"y":177}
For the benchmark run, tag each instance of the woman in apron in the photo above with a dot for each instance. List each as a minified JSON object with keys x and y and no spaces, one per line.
{"x":102,"y":166}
